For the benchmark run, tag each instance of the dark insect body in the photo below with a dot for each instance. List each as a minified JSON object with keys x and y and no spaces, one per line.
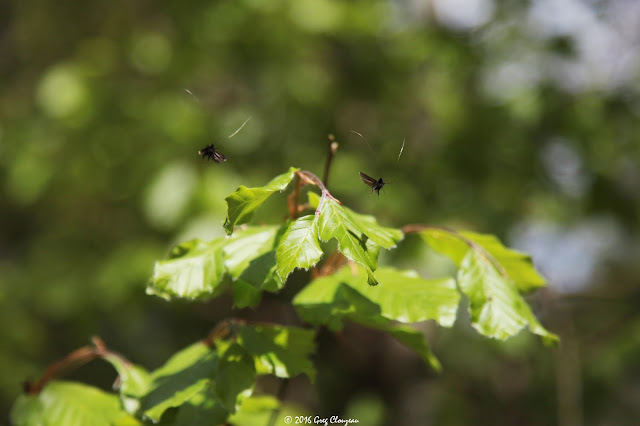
{"x":210,"y":153}
{"x":376,"y":185}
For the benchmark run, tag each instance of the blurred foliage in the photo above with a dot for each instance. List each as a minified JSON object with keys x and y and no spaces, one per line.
{"x":508,"y":129}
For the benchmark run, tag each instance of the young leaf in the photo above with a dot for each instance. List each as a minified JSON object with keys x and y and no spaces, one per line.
{"x":133,"y":382}
{"x":455,"y":245}
{"x":255,"y":410}
{"x":406,"y":297}
{"x":497,"y":308}
{"x":250,"y":258}
{"x":193,"y":270}
{"x":235,"y":377}
{"x":202,"y":408}
{"x":244,"y":201}
{"x":385,"y":237}
{"x":299,"y":247}
{"x":279,"y":350}
{"x":245,"y":295}
{"x":180,"y":380}
{"x":334,"y":221}
{"x":70,"y":404}
{"x":402,"y":296}
{"x":247,"y":245}
{"x":314,"y":199}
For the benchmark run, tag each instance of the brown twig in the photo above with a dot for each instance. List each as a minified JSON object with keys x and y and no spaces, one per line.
{"x":333,"y":147}
{"x":330,"y":266}
{"x":75,"y":359}
{"x":223,"y":330}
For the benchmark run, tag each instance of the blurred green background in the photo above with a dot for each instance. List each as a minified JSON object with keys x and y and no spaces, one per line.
{"x":521,"y":119}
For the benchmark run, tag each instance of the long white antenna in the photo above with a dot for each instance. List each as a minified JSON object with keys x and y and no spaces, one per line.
{"x":363,"y":138}
{"x":401,"y":149}
{"x":239,"y":128}
{"x":194,"y":96}
{"x":200,"y":103}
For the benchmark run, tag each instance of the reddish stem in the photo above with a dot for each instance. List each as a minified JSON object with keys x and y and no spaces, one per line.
{"x":75,"y":359}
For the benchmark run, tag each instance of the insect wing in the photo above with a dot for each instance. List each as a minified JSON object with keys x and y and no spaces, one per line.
{"x":368,"y":179}
{"x":210,"y":153}
{"x":218,"y":157}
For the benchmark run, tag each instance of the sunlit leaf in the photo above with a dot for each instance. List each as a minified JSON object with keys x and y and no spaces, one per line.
{"x":401,"y":296}
{"x":133,"y":382}
{"x":406,"y":297}
{"x":281,"y":351}
{"x":250,"y":257}
{"x":244,"y":201}
{"x":385,"y":237}
{"x":247,"y":245}
{"x":201,"y":381}
{"x":193,"y":270}
{"x":182,"y":378}
{"x":497,"y":308}
{"x":314,"y":199}
{"x":255,"y":410}
{"x":299,"y":247}
{"x":70,"y":404}
{"x":455,"y":245}
{"x":334,"y":221}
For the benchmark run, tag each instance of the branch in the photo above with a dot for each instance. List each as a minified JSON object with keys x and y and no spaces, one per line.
{"x":75,"y":359}
{"x":333,"y":147}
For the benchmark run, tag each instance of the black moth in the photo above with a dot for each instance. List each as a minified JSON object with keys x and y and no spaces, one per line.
{"x":376,"y":185}
{"x":210,"y":152}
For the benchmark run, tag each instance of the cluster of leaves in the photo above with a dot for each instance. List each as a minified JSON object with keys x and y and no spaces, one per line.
{"x":214,"y":379}
{"x":206,"y":383}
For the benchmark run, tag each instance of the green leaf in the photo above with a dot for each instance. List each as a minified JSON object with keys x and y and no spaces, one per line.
{"x":255,"y":410}
{"x":497,"y":308}
{"x":193,"y":270}
{"x":70,"y":404}
{"x":455,"y":245}
{"x":409,"y":337}
{"x":250,"y":257}
{"x":314,"y":199}
{"x":181,"y":379}
{"x":201,"y":409}
{"x":202,"y":382}
{"x":279,"y":350}
{"x":385,"y":237}
{"x":299,"y":247}
{"x":247,"y":245}
{"x":334,"y":221}
{"x":402,"y":296}
{"x":235,"y":377}
{"x":245,"y":295}
{"x":134,"y":382}
{"x":406,"y":297}
{"x":244,"y":201}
